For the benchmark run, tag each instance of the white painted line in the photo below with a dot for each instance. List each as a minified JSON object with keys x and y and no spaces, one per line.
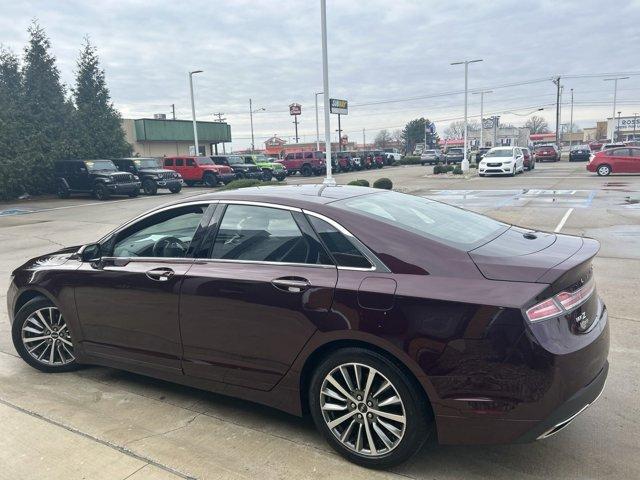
{"x":564,"y":220}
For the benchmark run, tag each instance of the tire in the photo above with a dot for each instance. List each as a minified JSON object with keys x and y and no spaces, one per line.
{"x":239,"y":175}
{"x":149,"y":186}
{"x":306,"y":171}
{"x":604,"y":170}
{"x":513,"y":173}
{"x":175,"y":189}
{"x":53,"y":328}
{"x":102,"y":192}
{"x":267,"y":175}
{"x":412,"y":406}
{"x":210,"y":180}
{"x":63,"y":191}
{"x":280,"y":177}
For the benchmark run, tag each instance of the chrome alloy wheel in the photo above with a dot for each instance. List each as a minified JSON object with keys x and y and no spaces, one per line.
{"x":46,"y":338}
{"x":363,"y":409}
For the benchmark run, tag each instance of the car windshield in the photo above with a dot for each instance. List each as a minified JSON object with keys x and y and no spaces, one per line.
{"x":455,"y":150}
{"x":263,"y":159}
{"x":146,"y":163}
{"x":235,"y":160}
{"x":96,"y":165}
{"x":499,"y":153}
{"x":580,"y":147}
{"x":204,"y":161}
{"x":428,"y":218}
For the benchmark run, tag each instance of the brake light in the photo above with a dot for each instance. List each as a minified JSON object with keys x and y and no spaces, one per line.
{"x":561,"y":303}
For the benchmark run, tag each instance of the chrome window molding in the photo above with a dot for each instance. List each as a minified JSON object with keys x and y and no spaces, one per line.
{"x":261,"y":262}
{"x":261,"y":204}
{"x":127,"y":260}
{"x":376,"y":263}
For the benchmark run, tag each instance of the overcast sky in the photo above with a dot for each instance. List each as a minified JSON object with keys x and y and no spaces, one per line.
{"x":379,"y":50}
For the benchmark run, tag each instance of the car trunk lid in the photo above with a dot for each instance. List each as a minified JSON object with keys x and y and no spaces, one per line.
{"x":522,"y":255}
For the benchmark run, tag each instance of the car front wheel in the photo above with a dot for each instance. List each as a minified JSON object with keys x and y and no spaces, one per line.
{"x":42,"y":338}
{"x":149,"y":187}
{"x":368,"y":409}
{"x":210,"y":180}
{"x":102,"y":192}
{"x":604,"y":170}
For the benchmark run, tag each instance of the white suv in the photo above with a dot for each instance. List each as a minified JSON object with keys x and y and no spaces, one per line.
{"x":502,"y":161}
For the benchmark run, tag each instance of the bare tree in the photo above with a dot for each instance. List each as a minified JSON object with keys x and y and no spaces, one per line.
{"x":455,"y":130}
{"x":396,"y":136}
{"x":537,"y":124}
{"x":383,"y":139}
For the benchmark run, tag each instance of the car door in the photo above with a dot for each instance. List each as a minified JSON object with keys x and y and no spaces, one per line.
{"x":621,"y":160}
{"x":246,"y":312}
{"x":634,"y":162}
{"x":127,"y":302}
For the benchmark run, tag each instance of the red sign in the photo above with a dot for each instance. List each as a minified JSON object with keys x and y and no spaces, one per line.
{"x":295,"y":109}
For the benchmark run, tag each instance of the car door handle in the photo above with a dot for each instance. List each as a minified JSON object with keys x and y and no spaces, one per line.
{"x":161,"y":274}
{"x":291,"y":284}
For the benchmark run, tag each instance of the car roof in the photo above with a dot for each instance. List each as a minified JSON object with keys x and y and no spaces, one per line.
{"x":75,"y":160}
{"x":288,"y":195}
{"x":503,"y":148}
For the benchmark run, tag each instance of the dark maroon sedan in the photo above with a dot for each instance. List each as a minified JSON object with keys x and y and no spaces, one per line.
{"x":386,"y":316}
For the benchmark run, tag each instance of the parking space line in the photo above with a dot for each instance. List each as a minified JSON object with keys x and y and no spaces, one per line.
{"x":563,"y":221}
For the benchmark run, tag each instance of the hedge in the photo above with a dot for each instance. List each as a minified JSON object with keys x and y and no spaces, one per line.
{"x":383,"y":183}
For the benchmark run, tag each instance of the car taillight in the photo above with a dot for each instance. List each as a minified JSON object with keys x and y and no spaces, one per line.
{"x":561,"y":303}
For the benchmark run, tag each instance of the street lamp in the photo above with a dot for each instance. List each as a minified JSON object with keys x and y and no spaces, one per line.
{"x":317,"y":124}
{"x":615,"y":97}
{"x":251,"y":112}
{"x":329,"y":180}
{"x":481,"y":93}
{"x":465,"y":161}
{"x":193,"y":112}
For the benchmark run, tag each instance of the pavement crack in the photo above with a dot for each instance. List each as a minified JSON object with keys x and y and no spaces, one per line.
{"x":160,"y":434}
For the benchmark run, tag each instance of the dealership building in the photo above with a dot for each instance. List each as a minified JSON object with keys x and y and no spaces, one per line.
{"x":625,"y":128}
{"x":158,"y":137}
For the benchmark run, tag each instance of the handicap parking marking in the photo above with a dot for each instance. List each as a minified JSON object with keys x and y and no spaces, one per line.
{"x":515,"y":198}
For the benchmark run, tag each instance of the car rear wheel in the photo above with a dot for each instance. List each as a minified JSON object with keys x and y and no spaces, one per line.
{"x":42,"y":338}
{"x":63,"y":191}
{"x":368,"y":409}
{"x":149,"y":187}
{"x":102,"y":192}
{"x":210,"y":180}
{"x":604,"y":170}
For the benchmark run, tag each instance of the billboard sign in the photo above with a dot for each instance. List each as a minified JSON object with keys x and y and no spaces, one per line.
{"x":338,"y":106}
{"x":295,"y":109}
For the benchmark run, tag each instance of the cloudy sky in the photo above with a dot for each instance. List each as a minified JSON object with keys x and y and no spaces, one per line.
{"x":389,"y":59}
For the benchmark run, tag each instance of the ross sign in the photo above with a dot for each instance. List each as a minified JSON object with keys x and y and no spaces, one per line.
{"x":628,"y":123}
{"x":338,"y":106}
{"x":295,"y":109}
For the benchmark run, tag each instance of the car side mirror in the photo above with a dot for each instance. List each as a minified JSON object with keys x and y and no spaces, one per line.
{"x":91,"y":252}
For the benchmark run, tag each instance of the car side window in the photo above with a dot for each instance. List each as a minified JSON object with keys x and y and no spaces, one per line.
{"x":168,"y":162}
{"x":345,"y":253}
{"x":308,"y":155}
{"x":190,"y":162}
{"x":165,"y":234}
{"x":179,"y":162}
{"x":264,"y":234}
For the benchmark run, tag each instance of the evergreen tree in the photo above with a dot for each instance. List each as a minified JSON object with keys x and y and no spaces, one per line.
{"x":46,"y":114}
{"x":99,"y":124}
{"x":11,"y":178}
{"x":413,"y":133}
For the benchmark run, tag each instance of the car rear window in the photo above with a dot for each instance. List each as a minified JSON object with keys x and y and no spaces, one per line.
{"x":434,"y":220}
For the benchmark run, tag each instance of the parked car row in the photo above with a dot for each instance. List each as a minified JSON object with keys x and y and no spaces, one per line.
{"x":314,"y":162}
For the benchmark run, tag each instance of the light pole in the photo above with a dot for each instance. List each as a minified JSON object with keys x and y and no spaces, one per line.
{"x":329,"y":180}
{"x":615,"y":97}
{"x":481,"y":93}
{"x":618,"y":127}
{"x":251,"y":112}
{"x":317,"y":123}
{"x":465,"y":160}
{"x":193,"y":112}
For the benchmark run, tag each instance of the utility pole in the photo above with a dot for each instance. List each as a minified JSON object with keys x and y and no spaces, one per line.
{"x":193,"y":113}
{"x":253,"y":146}
{"x":173,"y":110}
{"x":364,"y":140}
{"x":571,"y":122}
{"x":557,"y":82}
{"x":221,"y":120}
{"x":295,"y":120}
{"x":317,"y":123}
{"x":425,"y":136}
{"x":329,"y":180}
{"x":615,"y":97}
{"x":481,"y":93}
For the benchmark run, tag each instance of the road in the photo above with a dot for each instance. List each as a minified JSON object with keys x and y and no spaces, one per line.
{"x":100,"y":423}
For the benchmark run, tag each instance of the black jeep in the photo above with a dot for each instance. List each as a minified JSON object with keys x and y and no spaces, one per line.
{"x":150,"y":174}
{"x":239,"y":167}
{"x":100,"y":178}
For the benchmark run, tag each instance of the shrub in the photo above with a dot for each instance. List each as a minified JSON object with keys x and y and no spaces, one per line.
{"x":409,"y":160}
{"x":457,"y":171}
{"x":473,"y":165}
{"x":245,"y":183}
{"x":383,"y":183}
{"x":449,"y":168}
{"x":359,"y":183}
{"x":438,"y":169}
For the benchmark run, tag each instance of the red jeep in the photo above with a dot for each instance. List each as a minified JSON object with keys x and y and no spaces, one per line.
{"x":307,"y":163}
{"x":199,"y":169}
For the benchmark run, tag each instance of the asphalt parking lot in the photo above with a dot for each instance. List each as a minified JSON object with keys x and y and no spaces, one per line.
{"x":100,"y":423}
